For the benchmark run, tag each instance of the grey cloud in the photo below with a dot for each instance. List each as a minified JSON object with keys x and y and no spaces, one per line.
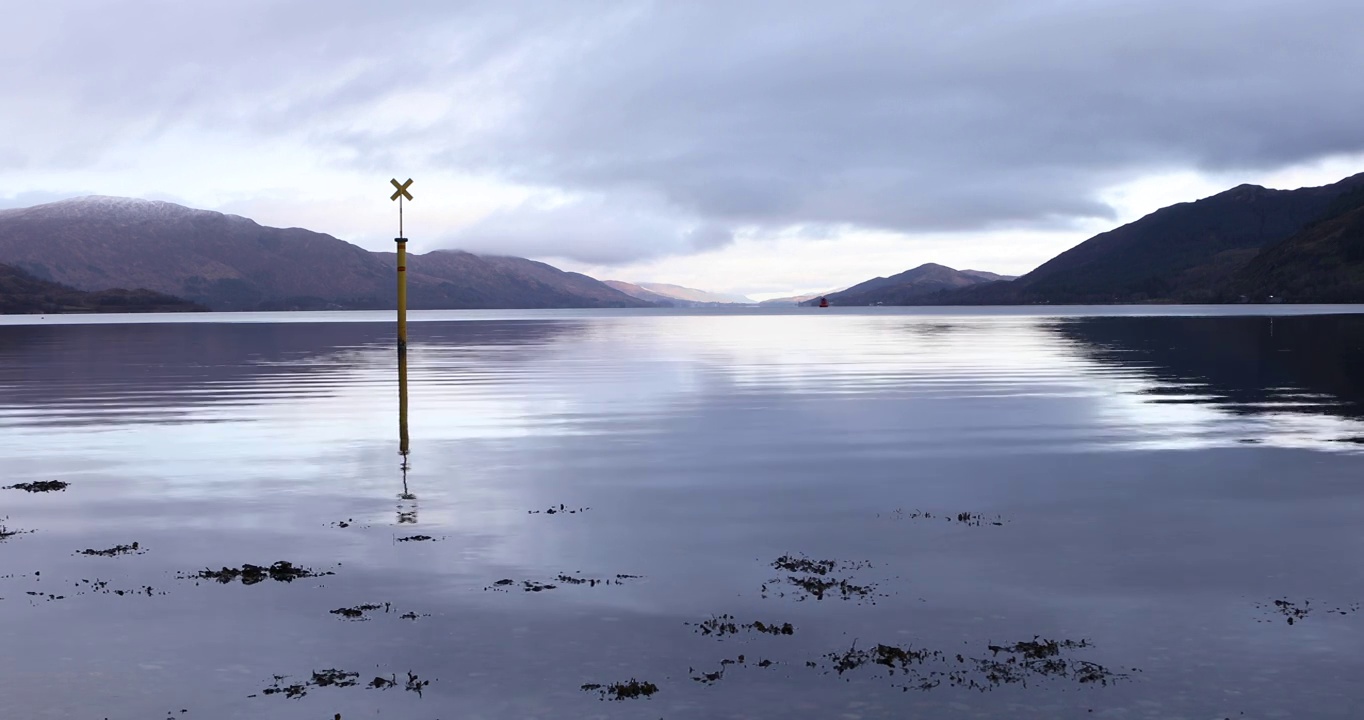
{"x":937,"y":116}
{"x":593,"y":229}
{"x":909,"y":116}
{"x":709,"y":237}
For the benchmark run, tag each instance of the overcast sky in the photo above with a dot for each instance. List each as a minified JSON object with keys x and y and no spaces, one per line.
{"x":755,"y":147}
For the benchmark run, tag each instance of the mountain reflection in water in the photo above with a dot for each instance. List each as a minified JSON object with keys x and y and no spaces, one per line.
{"x":1242,"y":365}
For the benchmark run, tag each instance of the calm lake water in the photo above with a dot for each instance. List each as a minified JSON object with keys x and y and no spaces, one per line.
{"x":1140,"y":489}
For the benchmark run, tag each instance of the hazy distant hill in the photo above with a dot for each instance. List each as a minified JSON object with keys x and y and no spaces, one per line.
{"x":793,"y":300}
{"x":640,"y":293}
{"x":457,"y":279}
{"x":903,"y":288}
{"x":22,"y":293}
{"x":231,"y":263}
{"x":677,"y":292}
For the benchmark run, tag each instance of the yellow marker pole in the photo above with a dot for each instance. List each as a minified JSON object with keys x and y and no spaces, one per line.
{"x":402,"y":294}
{"x":400,"y":194}
{"x":402,"y":411}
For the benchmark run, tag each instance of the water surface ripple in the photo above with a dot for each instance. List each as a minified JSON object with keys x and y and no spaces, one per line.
{"x":1144,"y":485}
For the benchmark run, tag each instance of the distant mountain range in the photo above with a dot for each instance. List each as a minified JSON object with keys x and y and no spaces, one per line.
{"x":640,"y":293}
{"x":675,"y":295}
{"x":21,"y":293}
{"x":1248,"y":244}
{"x":226,"y":262}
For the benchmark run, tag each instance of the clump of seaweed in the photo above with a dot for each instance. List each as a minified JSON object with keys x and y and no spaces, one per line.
{"x":1296,"y":613}
{"x":358,"y":612}
{"x":803,"y":564}
{"x":281,"y":571}
{"x":415,"y":538}
{"x":292,"y":690}
{"x":627,"y":690}
{"x":340,"y":679}
{"x":1039,"y":649}
{"x":532,"y":586}
{"x":561,"y":510}
{"x":335,"y":678}
{"x":965,"y":518}
{"x":818,"y":588}
{"x":926,"y":669}
{"x":40,"y":486}
{"x":710,"y":678}
{"x":102,"y":587}
{"x":323,"y":678}
{"x":7,"y":533}
{"x":504,"y":585}
{"x":619,"y":579}
{"x":816,"y":582}
{"x":722,"y":625}
{"x":773,"y":629}
{"x":134,"y":549}
{"x":890,"y":656}
{"x":415,"y":684}
{"x":1034,"y":658}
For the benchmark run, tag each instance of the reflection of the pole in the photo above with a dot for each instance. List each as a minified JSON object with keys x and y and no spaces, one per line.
{"x":404,"y":515}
